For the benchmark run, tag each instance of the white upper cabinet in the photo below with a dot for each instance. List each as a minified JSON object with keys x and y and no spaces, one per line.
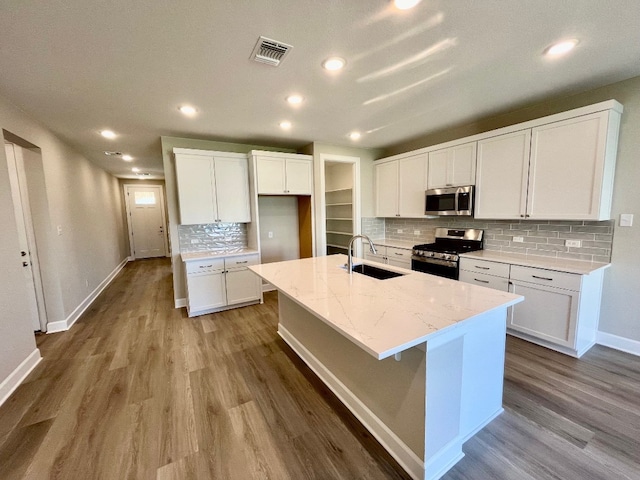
{"x":212,"y":186}
{"x":284,"y":174}
{"x":386,"y":180}
{"x":400,"y":186}
{"x":561,"y":170}
{"x":568,"y":168}
{"x":502,"y":176}
{"x":453,"y":166}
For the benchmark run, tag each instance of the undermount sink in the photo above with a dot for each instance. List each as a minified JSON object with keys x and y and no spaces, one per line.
{"x":375,"y":272}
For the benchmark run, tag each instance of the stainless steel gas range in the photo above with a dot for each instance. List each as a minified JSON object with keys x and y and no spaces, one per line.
{"x":442,"y":257}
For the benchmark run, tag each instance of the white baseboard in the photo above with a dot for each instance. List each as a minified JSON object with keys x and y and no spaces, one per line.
{"x":15,"y":378}
{"x":131,"y":259}
{"x":619,"y":343}
{"x":63,"y":325}
{"x":389,"y":440}
{"x":181,"y":302}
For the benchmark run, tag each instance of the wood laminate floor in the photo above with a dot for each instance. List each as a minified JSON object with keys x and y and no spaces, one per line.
{"x":136,"y":390}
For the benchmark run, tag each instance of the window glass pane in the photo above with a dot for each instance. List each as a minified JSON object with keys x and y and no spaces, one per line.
{"x":145,"y":198}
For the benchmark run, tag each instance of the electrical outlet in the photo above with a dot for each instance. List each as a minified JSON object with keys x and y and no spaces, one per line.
{"x":518,"y":239}
{"x":400,"y":230}
{"x":86,"y":283}
{"x":194,"y":240}
{"x":626,"y":219}
{"x":270,"y":234}
{"x":573,"y":243}
{"x":416,"y":232}
{"x":59,"y":230}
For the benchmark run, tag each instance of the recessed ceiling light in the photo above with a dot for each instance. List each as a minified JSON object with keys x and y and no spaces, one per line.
{"x":135,"y":169}
{"x":286,"y":125}
{"x":560,"y":48}
{"x":405,"y":4}
{"x":108,"y":134}
{"x":295,"y":99}
{"x":334,"y":63}
{"x":355,"y":135}
{"x":127,"y":158}
{"x":188,"y":110}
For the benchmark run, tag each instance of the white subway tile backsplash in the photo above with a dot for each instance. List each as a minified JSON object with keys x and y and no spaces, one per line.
{"x":212,"y":237}
{"x":542,"y":237}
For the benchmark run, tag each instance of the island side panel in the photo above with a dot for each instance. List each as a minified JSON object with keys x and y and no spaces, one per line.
{"x":392,"y":391}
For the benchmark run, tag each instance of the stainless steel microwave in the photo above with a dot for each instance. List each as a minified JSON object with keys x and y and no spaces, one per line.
{"x":449,"y":201}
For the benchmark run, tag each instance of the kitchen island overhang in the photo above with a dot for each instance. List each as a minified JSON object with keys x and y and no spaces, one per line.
{"x":419,"y":360}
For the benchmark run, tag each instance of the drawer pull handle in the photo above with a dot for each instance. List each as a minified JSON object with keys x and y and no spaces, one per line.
{"x":483,"y":268}
{"x":246,"y":261}
{"x":481,"y":281}
{"x":205,"y":266}
{"x":542,"y":278}
{"x":396,"y":253}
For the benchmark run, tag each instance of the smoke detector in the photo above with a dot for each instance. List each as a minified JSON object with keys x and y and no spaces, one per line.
{"x":270,"y":51}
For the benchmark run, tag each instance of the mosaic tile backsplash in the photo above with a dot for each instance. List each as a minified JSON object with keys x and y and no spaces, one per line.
{"x":214,"y":237}
{"x":545,"y":238}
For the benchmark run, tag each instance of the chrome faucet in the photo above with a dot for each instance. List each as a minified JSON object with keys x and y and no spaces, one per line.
{"x":350,"y":247}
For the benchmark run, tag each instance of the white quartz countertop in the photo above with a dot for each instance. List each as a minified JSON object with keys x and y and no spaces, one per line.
{"x":549,"y":263}
{"x":383,"y":317}
{"x":193,"y":256}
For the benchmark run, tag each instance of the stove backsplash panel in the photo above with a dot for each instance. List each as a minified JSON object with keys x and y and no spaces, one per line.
{"x":214,"y":237}
{"x":545,"y":238}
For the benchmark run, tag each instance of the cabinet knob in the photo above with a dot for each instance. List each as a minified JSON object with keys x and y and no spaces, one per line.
{"x":522,"y":215}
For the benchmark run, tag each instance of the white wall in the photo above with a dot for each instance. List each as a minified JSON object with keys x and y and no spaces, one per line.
{"x":278,"y":215}
{"x":84,"y":200}
{"x":620,"y":313}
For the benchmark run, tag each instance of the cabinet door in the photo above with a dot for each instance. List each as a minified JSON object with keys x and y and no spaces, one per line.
{"x":194,"y":175}
{"x":206,"y":291}
{"x":387,"y":189}
{"x":547,"y":313}
{"x":298,"y":177}
{"x":502,"y":176}
{"x":242,"y":286}
{"x":271,"y":175}
{"x":437,"y":169}
{"x":411,"y":186}
{"x":462,"y":165}
{"x":232,"y":189}
{"x":567,"y":167}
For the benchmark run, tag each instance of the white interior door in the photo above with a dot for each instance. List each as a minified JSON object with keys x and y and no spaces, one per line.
{"x":26,"y":237}
{"x":147,"y":224}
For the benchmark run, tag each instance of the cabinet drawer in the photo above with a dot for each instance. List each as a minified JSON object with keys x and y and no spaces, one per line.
{"x":399,"y":254}
{"x":482,"y":266}
{"x":204,"y":266}
{"x":484,"y":280}
{"x":568,"y":281}
{"x":241,"y":261}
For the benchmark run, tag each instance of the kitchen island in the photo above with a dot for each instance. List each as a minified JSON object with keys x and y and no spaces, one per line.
{"x":418,"y":359}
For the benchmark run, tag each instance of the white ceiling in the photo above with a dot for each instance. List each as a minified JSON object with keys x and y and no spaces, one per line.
{"x":79,"y":66}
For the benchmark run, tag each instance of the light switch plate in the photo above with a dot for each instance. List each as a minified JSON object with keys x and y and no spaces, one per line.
{"x":573,"y":243}
{"x":270,"y":234}
{"x":518,"y":239}
{"x":626,"y":219}
{"x":400,"y":230}
{"x":59,"y":230}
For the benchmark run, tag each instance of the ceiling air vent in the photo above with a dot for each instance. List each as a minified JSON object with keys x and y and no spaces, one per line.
{"x":270,"y":51}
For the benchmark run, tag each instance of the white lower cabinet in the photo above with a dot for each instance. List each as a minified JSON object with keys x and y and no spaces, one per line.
{"x":561,"y":309}
{"x":398,"y":257}
{"x":221,"y":283}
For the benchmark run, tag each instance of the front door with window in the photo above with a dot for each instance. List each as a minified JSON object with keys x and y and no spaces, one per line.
{"x":147,"y":225}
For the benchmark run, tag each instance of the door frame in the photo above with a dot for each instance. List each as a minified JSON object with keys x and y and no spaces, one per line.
{"x":321,"y":214}
{"x":126,"y":187}
{"x":18,"y":177}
